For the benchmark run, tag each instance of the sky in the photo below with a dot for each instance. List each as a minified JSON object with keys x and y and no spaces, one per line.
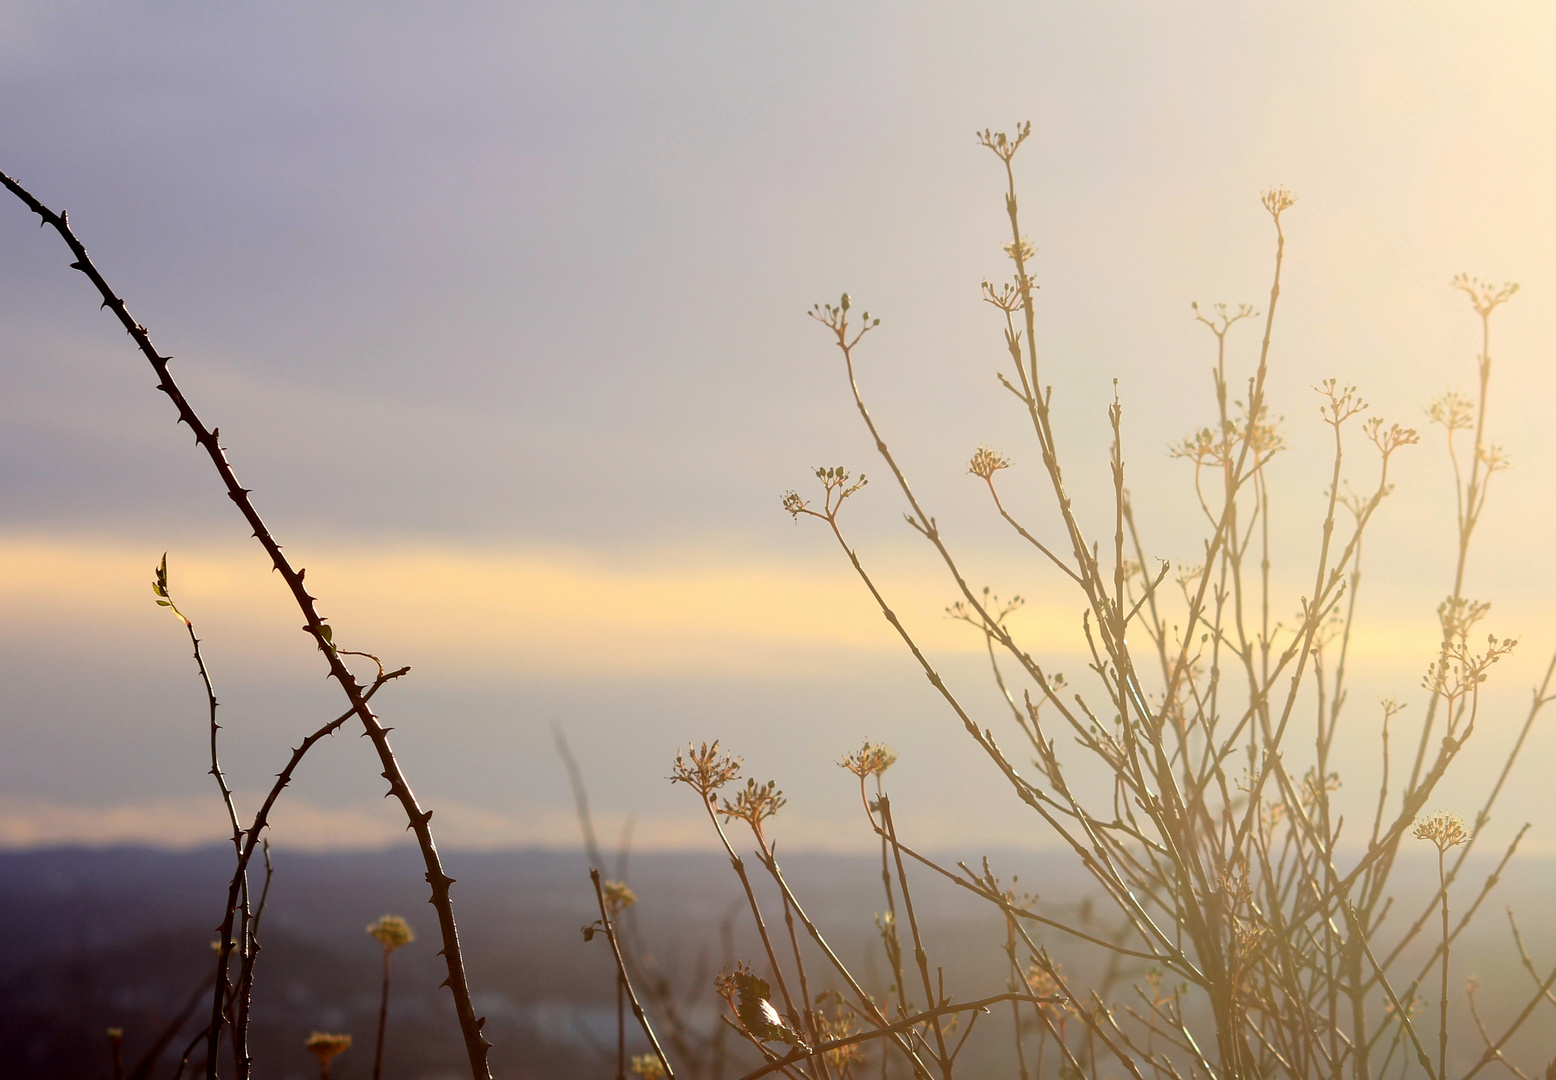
{"x":500,"y":310}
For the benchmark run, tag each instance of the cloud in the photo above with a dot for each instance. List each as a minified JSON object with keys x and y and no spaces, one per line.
{"x":301,"y":824}
{"x":298,"y":823}
{"x":469,"y":610}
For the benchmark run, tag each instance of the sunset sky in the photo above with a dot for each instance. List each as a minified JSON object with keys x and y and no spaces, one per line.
{"x":500,"y":309}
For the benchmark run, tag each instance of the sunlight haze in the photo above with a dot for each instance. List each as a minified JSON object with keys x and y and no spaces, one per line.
{"x":501,"y":311}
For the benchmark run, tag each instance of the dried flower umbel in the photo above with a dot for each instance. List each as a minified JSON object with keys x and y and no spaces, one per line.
{"x":986,"y":462}
{"x":619,"y":897}
{"x":871,"y":759}
{"x":326,"y":1046}
{"x":392,"y":932}
{"x":704,"y":769}
{"x":1443,"y":829}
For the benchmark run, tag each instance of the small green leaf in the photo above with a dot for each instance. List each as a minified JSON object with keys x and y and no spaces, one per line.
{"x":756,"y":1011}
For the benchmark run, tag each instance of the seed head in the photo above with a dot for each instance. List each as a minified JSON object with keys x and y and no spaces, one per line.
{"x":1443,"y":828}
{"x":1484,"y":295}
{"x":755,"y":803}
{"x":872,"y":759}
{"x":1020,"y":251}
{"x":1002,"y":144}
{"x":704,"y":769}
{"x":1008,"y":298}
{"x":618,"y":897}
{"x":986,"y":462}
{"x":1453,"y":411}
{"x":326,"y":1046}
{"x":1278,"y":199}
{"x":392,"y":932}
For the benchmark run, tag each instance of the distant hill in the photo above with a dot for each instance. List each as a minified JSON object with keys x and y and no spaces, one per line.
{"x":120,"y":937}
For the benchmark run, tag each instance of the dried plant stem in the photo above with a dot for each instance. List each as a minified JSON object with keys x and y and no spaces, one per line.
{"x":621,"y":970}
{"x":476,"y":1046}
{"x":1442,"y":1014}
{"x":1401,"y":1014}
{"x":1485,"y":1036}
{"x":383,"y":1022}
{"x":864,"y":1000}
{"x":812,"y":1031}
{"x":904,"y":1025}
{"x":739,"y":866}
{"x":148,"y":1061}
{"x":920,"y":957}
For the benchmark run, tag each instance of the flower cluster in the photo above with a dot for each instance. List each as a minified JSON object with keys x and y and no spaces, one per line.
{"x":392,"y":932}
{"x":618,"y":897}
{"x":872,"y":759}
{"x":755,"y":803}
{"x":1483,"y":294}
{"x":1003,"y":144}
{"x":1278,"y":199}
{"x":647,"y":1066}
{"x":1443,"y":828}
{"x":986,"y":462}
{"x":704,"y":769}
{"x":326,"y":1046}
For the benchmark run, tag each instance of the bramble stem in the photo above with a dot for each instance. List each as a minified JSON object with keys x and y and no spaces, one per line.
{"x":476,"y":1046}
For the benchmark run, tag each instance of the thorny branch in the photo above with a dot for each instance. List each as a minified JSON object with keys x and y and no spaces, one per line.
{"x":315,"y":626}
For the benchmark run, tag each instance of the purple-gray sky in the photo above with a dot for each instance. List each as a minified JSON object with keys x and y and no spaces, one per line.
{"x":500,"y":309}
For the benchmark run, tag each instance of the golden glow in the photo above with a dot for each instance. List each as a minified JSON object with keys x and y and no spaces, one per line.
{"x":532,"y":612}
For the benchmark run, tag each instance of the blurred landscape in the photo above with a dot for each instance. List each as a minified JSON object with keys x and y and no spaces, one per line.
{"x":91,"y":939}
